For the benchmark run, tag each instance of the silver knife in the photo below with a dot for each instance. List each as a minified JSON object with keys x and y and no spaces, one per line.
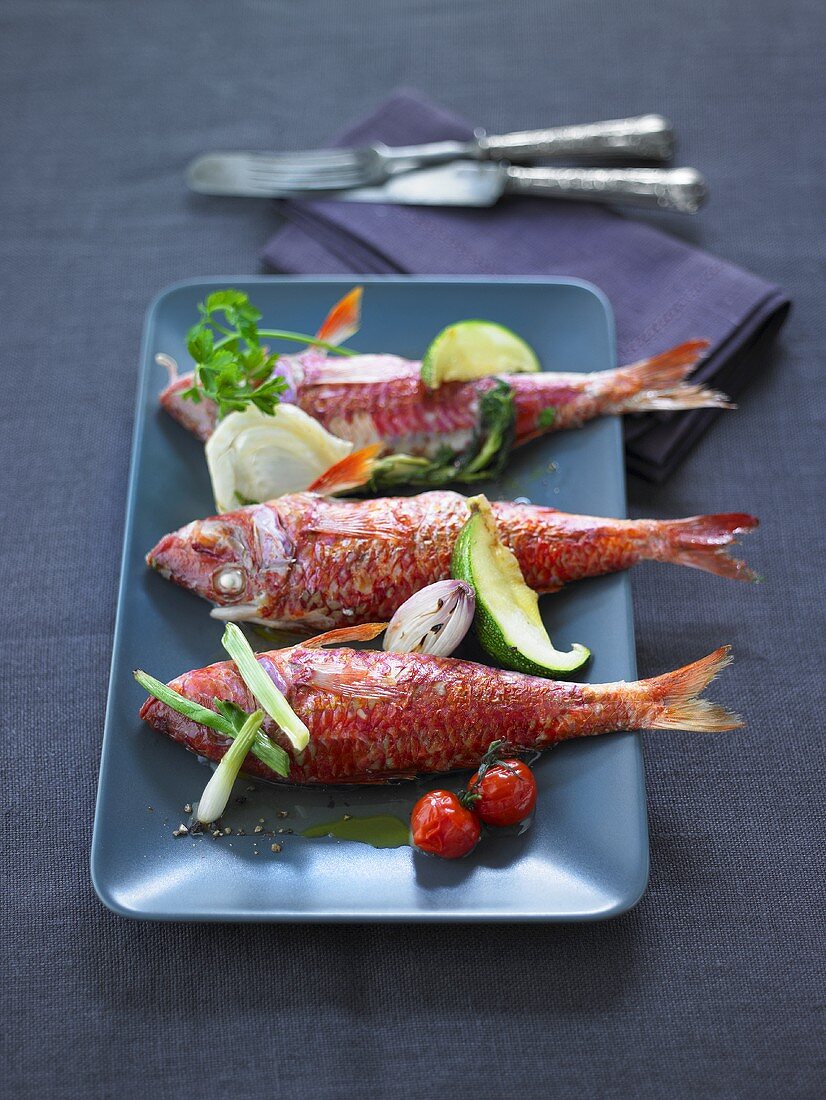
{"x":463,"y":183}
{"x":648,"y":138}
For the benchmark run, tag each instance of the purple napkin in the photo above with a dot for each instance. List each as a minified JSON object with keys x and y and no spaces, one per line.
{"x":662,"y":290}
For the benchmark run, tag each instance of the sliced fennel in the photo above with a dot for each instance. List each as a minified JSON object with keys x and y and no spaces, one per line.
{"x":254,"y":456}
{"x":213,"y":801}
{"x":266,"y":693}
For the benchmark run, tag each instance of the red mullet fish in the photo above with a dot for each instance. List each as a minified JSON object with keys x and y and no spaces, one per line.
{"x":381,"y":398}
{"x":308,"y":562}
{"x":377,"y":716}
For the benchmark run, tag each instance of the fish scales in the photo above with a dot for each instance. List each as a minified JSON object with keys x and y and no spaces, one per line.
{"x":412,"y":728}
{"x":316,"y":562}
{"x":381,"y":398}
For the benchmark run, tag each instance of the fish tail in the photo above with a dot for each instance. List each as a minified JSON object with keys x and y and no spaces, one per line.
{"x":659,"y":383}
{"x":349,"y":473}
{"x":674,"y":701}
{"x":702,"y":542}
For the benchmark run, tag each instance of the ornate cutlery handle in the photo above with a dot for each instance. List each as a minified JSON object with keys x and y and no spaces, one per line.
{"x":680,"y":189}
{"x":647,"y":138}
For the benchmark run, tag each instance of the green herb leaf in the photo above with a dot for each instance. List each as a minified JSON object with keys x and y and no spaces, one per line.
{"x":225,"y":300}
{"x":231,"y":366}
{"x":200,"y":343}
{"x":546,"y":417}
{"x":494,"y":435}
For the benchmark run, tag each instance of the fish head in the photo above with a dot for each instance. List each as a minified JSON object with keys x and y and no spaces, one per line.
{"x":201,"y":417}
{"x":239,"y":561}
{"x":197,"y":417}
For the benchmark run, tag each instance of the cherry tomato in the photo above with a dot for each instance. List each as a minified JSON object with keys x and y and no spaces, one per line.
{"x":442,"y":826}
{"x":507,"y":793}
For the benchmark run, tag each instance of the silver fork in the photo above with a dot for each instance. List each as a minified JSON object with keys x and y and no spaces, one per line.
{"x":647,"y":138}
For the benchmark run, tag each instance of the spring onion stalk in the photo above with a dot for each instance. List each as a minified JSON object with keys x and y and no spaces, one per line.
{"x":264,"y":690}
{"x":216,"y":794}
{"x":268,"y":753}
{"x":434,"y":619}
{"x":262,"y":748}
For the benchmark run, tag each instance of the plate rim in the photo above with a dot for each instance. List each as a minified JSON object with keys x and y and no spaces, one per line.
{"x":101,"y":887}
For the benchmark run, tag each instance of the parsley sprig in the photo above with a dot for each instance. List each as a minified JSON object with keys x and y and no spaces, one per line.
{"x":232,"y":368}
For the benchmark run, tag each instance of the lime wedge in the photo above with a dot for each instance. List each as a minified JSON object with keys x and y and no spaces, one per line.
{"x":507,"y":620}
{"x":475,"y":349}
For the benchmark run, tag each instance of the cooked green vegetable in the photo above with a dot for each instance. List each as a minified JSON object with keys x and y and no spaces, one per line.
{"x":266,"y":693}
{"x":484,"y":457}
{"x":227,"y":722}
{"x":213,"y":801}
{"x":508,"y":623}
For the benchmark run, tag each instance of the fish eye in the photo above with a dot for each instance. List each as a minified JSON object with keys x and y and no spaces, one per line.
{"x":230,"y":580}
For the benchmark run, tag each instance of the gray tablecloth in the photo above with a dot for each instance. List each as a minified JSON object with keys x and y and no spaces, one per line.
{"x":713,"y":986}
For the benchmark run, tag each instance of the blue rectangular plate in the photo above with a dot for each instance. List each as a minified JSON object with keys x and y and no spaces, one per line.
{"x":586,"y":855}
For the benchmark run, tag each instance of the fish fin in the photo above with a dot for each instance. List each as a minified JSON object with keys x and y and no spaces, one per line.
{"x":667,"y":368}
{"x":683,"y":396}
{"x":678,"y":705}
{"x":659,"y":383}
{"x":343,"y":320}
{"x":364,"y":633}
{"x":350,"y":472}
{"x":341,"y":679}
{"x":701,"y":542}
{"x":238,"y":612}
{"x":351,"y":527}
{"x":354,"y":526}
